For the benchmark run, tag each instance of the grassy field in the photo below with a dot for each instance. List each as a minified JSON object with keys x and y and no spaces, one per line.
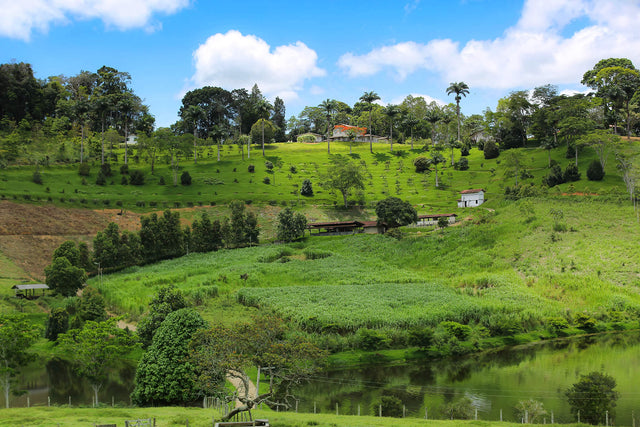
{"x":195,"y":417}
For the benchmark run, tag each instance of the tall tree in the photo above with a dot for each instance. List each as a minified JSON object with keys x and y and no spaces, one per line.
{"x":17,"y":334}
{"x":278,"y":119}
{"x":460,"y":89}
{"x":263,"y":108}
{"x":369,"y":98}
{"x":391,"y":111}
{"x":329,"y":107}
{"x":593,"y":396}
{"x":344,"y":175}
{"x":193,"y":114}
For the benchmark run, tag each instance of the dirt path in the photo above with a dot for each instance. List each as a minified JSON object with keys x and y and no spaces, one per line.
{"x":239,"y":385}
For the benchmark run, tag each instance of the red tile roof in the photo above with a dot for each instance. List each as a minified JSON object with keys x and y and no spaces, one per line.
{"x":478,"y":190}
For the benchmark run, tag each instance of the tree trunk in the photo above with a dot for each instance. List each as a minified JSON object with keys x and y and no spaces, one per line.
{"x":412,"y":137}
{"x":249,"y":149}
{"x":344,"y":196}
{"x":95,"y":388}
{"x":218,"y":150}
{"x":195,"y":144}
{"x":174,"y":168}
{"x":6,"y":382}
{"x":102,"y":141}
{"x":370,"y":134}
{"x":436,"y":175}
{"x":391,"y":140}
{"x":576,"y":155}
{"x":458,"y":115}
{"x":126,"y":135}
{"x":262,"y":137}
{"x":549,"y":152}
{"x":82,"y":145}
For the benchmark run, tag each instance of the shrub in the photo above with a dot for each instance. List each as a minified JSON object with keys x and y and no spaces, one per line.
{"x":391,"y":407}
{"x":491,"y":150}
{"x":464,"y":150}
{"x":101,"y":179}
{"x":306,"y":138}
{"x":124,"y":180}
{"x":266,"y":180}
{"x":251,"y":168}
{"x":421,"y":164}
{"x":595,"y":171}
{"x":584,"y":321}
{"x":268,"y":165}
{"x":307,"y":188}
{"x":456,"y":329}
{"x":37,"y":177}
{"x":136,"y":178}
{"x":556,"y":324}
{"x":554,"y":177}
{"x":293,"y":169}
{"x":462,"y":164}
{"x":124,"y":169}
{"x":106,"y":169}
{"x":84,"y":169}
{"x":161,"y":181}
{"x":571,"y":173}
{"x":371,"y":339}
{"x":421,"y":337}
{"x":185,"y":178}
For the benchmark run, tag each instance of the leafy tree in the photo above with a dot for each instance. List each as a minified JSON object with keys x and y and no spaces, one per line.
{"x":391,"y":111}
{"x":343,"y":176}
{"x":185,"y":178}
{"x":263,"y":128}
{"x":17,"y":334}
{"x":207,"y":235}
{"x":461,"y":409}
{"x":602,"y":142}
{"x":306,"y":189}
{"x":595,"y":171}
{"x":259,"y":343}
{"x":443,"y":222}
{"x":69,"y":250}
{"x":421,"y":164}
{"x":391,"y":406}
{"x":112,"y":249}
{"x":278,"y":119}
{"x":329,"y":106}
{"x":421,"y":337}
{"x":571,"y":173}
{"x":395,"y":212}
{"x":369,"y":98}
{"x":531,"y":411}
{"x":491,"y":150}
{"x":91,"y":306}
{"x":435,"y":159}
{"x":136,"y":178}
{"x":165,"y":375}
{"x":290,"y":225}
{"x":460,"y":88}
{"x":161,"y":237}
{"x":263,"y":108}
{"x":166,"y":301}
{"x":95,"y":348}
{"x":555,"y":176}
{"x":57,"y":323}
{"x":63,"y":277}
{"x":514,"y":163}
{"x":593,"y":396}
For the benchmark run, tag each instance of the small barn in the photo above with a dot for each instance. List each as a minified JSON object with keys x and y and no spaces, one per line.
{"x":374,"y":227}
{"x":30,"y":291}
{"x":335,"y":228}
{"x":471,"y":198}
{"x":432,"y":219}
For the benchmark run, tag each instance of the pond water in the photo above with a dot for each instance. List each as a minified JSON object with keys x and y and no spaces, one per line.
{"x":494,"y":381}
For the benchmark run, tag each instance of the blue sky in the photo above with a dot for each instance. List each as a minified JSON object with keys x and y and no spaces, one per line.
{"x":308,"y":51}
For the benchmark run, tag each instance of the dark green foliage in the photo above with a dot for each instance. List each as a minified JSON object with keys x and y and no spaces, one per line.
{"x":100,"y":178}
{"x":571,"y":173}
{"x":164,"y":375}
{"x":63,"y":277}
{"x":124,"y":180}
{"x":57,"y":323}
{"x":421,"y":164}
{"x":68,"y":250}
{"x":593,"y":395}
{"x":391,"y":407}
{"x":266,"y":180}
{"x":456,"y":329}
{"x":185,"y":178}
{"x":136,"y":177}
{"x":520,"y":191}
{"x":91,"y":306}
{"x":167,"y":300}
{"x":462,"y":164}
{"x":372,"y":339}
{"x":395,"y":212}
{"x":555,"y":177}
{"x":206,"y":236}
{"x":461,"y":409}
{"x":290,"y":226}
{"x":443,"y":222}
{"x":161,"y":181}
{"x":251,"y":168}
{"x":464,"y":150}
{"x":161,"y":237}
{"x":491,"y":150}
{"x":124,"y":169}
{"x":113,"y":250}
{"x":37,"y":177}
{"x":595,"y":171}
{"x":421,"y":337}
{"x":84,"y":169}
{"x":556,"y":324}
{"x":268,"y":165}
{"x":584,"y":321}
{"x":106,"y":169}
{"x":307,"y":188}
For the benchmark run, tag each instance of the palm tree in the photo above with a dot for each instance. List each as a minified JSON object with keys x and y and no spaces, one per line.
{"x":369,"y":98}
{"x":192,"y":115}
{"x":263,"y":108}
{"x":391,"y":111}
{"x":433,"y":116}
{"x":329,"y":106}
{"x":410,"y":122}
{"x":460,"y":88}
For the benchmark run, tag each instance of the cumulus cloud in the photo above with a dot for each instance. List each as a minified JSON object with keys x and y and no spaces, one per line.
{"x":532,"y":52}
{"x":233,"y":60}
{"x":20,"y":18}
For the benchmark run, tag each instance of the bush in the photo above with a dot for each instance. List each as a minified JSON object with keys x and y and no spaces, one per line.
{"x":266,"y":180}
{"x":161,"y":181}
{"x":136,"y":178}
{"x":306,"y":138}
{"x":124,"y":180}
{"x":372,"y":339}
{"x":124,"y":169}
{"x":106,"y":169}
{"x":421,"y":164}
{"x":268,"y":165}
{"x":391,"y":407}
{"x":185,"y":178}
{"x":307,"y":188}
{"x":101,"y":179}
{"x":555,"y":176}
{"x":584,"y":321}
{"x":37,"y":177}
{"x":84,"y":169}
{"x":595,"y":171}
{"x":456,"y":329}
{"x":462,"y":164}
{"x":571,"y":173}
{"x":491,"y":150}
{"x":293,"y":169}
{"x":251,"y":168}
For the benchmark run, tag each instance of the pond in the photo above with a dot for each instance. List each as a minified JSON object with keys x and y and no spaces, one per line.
{"x":494,"y":381}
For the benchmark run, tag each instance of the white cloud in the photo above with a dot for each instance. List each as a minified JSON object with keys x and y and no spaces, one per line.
{"x":20,"y":18}
{"x":532,"y":52}
{"x":233,"y":60}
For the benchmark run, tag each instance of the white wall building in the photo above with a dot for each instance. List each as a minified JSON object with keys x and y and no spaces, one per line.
{"x":471,"y":198}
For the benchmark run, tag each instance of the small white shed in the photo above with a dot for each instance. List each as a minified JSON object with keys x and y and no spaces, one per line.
{"x":471,"y":198}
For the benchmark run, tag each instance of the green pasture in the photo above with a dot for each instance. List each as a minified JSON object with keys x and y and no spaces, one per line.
{"x":386,"y":174}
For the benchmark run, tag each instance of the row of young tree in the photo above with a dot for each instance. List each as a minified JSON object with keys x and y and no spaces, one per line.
{"x":159,"y":238}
